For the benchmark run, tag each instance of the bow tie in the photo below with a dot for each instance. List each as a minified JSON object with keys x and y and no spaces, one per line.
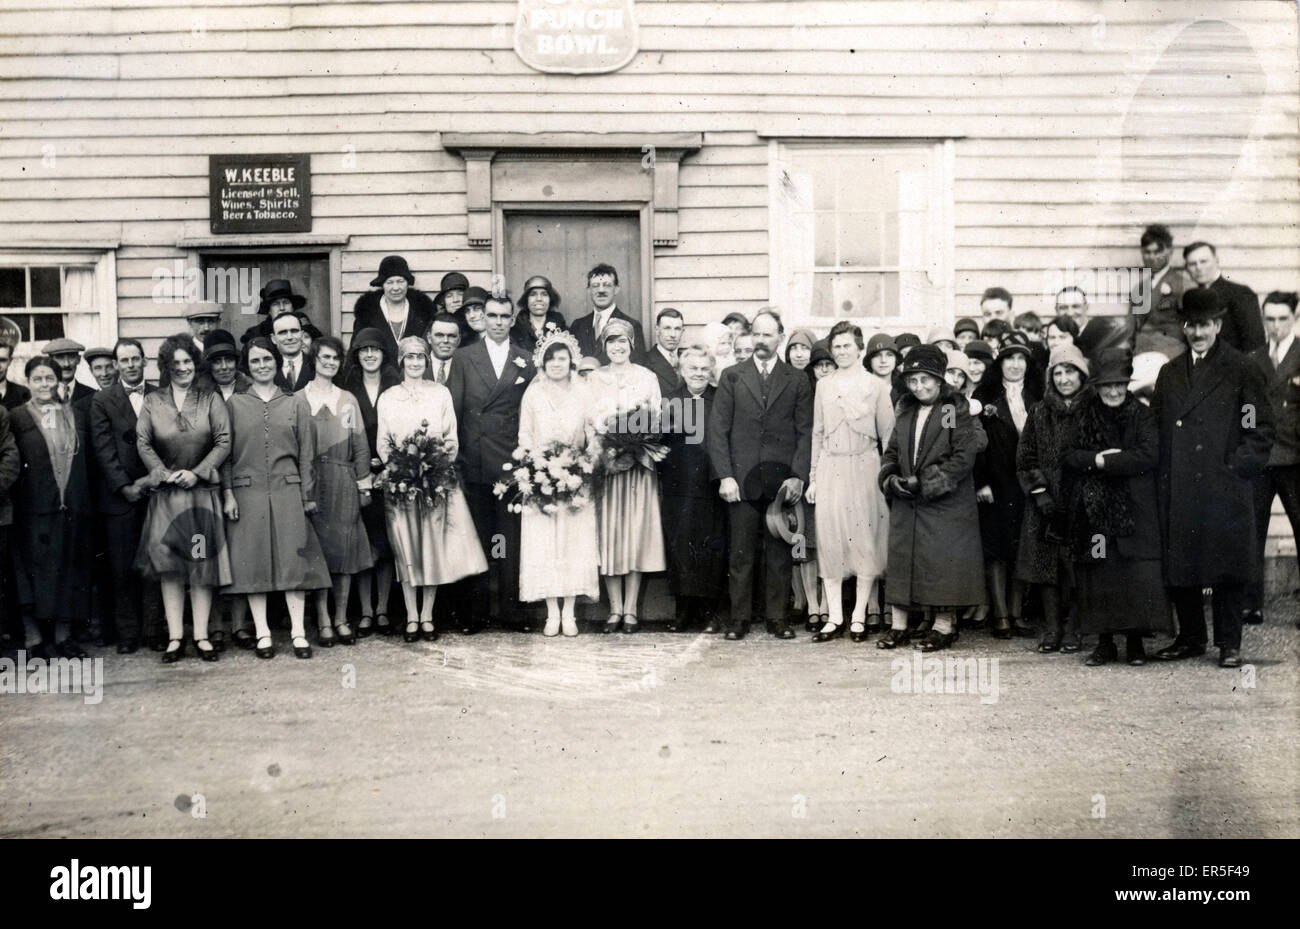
{"x":137,"y":389}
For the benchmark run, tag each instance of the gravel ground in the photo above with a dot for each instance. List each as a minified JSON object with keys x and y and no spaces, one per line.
{"x":660,"y":735}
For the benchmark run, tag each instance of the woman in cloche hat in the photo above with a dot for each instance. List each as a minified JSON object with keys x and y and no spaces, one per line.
{"x":396,"y":309}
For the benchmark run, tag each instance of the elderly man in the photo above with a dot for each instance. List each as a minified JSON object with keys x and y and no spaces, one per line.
{"x":1279,"y":361}
{"x":296,"y":369}
{"x":662,"y":359}
{"x":1216,"y":430}
{"x":1243,"y":328}
{"x":1156,"y":305}
{"x":203,"y":318}
{"x":67,"y":355}
{"x":760,"y":444}
{"x":602,"y":294}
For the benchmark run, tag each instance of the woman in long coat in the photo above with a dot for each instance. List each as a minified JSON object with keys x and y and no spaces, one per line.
{"x":557,"y":551}
{"x":269,"y":484}
{"x":694,"y":516}
{"x":367,"y":374}
{"x":183,"y":436}
{"x":1041,"y":558}
{"x":852,"y":421}
{"x":936,"y":560}
{"x":1114,"y":520}
{"x":342,"y":469}
{"x":53,"y":512}
{"x":1007,"y":391}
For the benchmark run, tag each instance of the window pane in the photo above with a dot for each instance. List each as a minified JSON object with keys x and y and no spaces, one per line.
{"x":825,"y":253}
{"x":45,"y":287}
{"x":846,"y":296}
{"x":860,"y":240}
{"x":24,"y":323}
{"x":13,"y":287}
{"x":47,"y":326}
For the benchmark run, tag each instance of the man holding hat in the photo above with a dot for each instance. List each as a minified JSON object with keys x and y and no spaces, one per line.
{"x":1216,"y":431}
{"x":122,"y":487}
{"x":67,"y":355}
{"x":397,"y":310}
{"x":203,"y":317}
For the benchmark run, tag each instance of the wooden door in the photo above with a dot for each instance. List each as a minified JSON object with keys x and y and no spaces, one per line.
{"x":309,"y":275}
{"x":565,"y":246}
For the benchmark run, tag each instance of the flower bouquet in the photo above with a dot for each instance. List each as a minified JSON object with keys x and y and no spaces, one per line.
{"x":556,"y":475}
{"x":630,"y":437}
{"x":420,"y":467}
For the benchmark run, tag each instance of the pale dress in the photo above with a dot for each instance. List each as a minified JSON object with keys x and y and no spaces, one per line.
{"x":431,"y":545}
{"x":558,"y":554}
{"x":627,"y":507}
{"x":852,"y":420}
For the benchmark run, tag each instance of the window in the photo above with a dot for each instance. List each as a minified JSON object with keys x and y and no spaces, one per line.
{"x":862,"y":231}
{"x":31,"y":297}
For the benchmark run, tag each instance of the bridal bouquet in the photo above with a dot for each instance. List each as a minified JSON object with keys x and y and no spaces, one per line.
{"x":630,"y":437}
{"x":547,"y":478}
{"x":420,"y":467}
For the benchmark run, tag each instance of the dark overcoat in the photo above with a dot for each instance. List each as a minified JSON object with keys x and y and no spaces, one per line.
{"x":935,"y":555}
{"x":1216,"y":432}
{"x":112,"y":430}
{"x":995,"y":468}
{"x":694,"y":516}
{"x":368,"y":313}
{"x":1040,"y":458}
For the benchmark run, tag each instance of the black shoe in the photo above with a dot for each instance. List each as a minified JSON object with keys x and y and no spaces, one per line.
{"x":1071,"y":643}
{"x":365,"y":627}
{"x":265,"y":651}
{"x":894,"y":638}
{"x":678,"y":624}
{"x":68,"y":648}
{"x":382,"y":624}
{"x":712,"y":627}
{"x":1104,"y":653}
{"x":345,"y":638}
{"x":734,"y":634}
{"x":1050,"y":643}
{"x":630,"y":624}
{"x":780,"y":629}
{"x":1180,"y":650}
{"x":301,"y":651}
{"x":1001,"y":628}
{"x":323,"y":640}
{"x":1137,"y":656}
{"x":411,"y":633}
{"x":173,"y":655}
{"x":1253,"y":617}
{"x":613,"y":624}
{"x":937,"y":641}
{"x":243,"y":638}
{"x":1229,"y":658}
{"x":876,"y":623}
{"x":1023,"y":629}
{"x":469,"y":627}
{"x":430,"y":634}
{"x":218,"y":639}
{"x":835,"y":632}
{"x":859,"y":635}
{"x":127,"y":646}
{"x":207,"y":654}
{"x":813,"y":623}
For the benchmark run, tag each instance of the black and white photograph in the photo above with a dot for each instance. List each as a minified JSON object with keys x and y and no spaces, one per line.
{"x":651,"y":419}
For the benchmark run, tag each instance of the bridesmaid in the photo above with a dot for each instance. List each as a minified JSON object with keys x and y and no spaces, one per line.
{"x":52,"y":512}
{"x":631,"y":531}
{"x":183,"y":436}
{"x":558,"y":555}
{"x":368,"y":373}
{"x":432,"y":545}
{"x":269,"y":485}
{"x":342,"y":487}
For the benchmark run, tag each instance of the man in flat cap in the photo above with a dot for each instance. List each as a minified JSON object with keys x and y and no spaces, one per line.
{"x":203,"y":317}
{"x":67,"y":355}
{"x":1216,"y":431}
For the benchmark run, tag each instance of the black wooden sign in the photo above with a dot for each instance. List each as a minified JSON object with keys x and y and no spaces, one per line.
{"x":259,"y":193}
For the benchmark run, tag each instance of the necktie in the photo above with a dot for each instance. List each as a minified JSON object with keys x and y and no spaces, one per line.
{"x":442,"y":371}
{"x":763,"y":369}
{"x":1277,"y":354}
{"x":293,"y":373}
{"x":64,"y":392}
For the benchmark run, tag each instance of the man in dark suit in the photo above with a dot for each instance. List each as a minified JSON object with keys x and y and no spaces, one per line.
{"x":11,"y":394}
{"x":1156,"y":306}
{"x":1097,"y":333}
{"x":67,"y":355}
{"x":1279,"y":360}
{"x":487,"y":383}
{"x":602,"y":291}
{"x":662,"y":358}
{"x":1216,"y":429}
{"x":760,"y":444}
{"x":1242,"y":325}
{"x":296,"y":369}
{"x":121,"y":480}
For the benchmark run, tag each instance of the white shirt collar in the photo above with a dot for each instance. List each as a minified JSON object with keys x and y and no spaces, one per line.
{"x":1284,"y":346}
{"x":663,"y":351}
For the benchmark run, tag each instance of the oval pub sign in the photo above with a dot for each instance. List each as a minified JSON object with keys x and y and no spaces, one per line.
{"x":575,"y":36}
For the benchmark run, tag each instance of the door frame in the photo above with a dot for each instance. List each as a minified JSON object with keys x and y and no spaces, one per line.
{"x":645,"y":217}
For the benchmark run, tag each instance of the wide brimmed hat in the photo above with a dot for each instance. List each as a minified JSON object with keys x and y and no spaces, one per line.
{"x":533,"y":283}
{"x":204,"y":308}
{"x":219,"y":342}
{"x":392,"y":266}
{"x":980,"y":349}
{"x":966,"y":324}
{"x":369,"y":337}
{"x":62,"y":346}
{"x":474,"y":296}
{"x":453,"y":280}
{"x":275,"y":290}
{"x":881,"y":342}
{"x":97,"y":351}
{"x":1200,"y":305}
{"x":1114,"y":366}
{"x":925,"y":359}
{"x":786,"y":522}
{"x":1067,"y":354}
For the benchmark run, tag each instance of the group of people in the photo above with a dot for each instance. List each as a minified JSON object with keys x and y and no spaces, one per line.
{"x":883,"y":487}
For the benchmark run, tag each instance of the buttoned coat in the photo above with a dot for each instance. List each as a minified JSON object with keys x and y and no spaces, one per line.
{"x":117,"y":456}
{"x":487,"y":408}
{"x":1216,"y":431}
{"x":1284,"y":394}
{"x":761,"y":444}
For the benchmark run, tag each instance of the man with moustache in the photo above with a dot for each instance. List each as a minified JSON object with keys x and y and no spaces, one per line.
{"x":1216,"y":431}
{"x":122,"y":487}
{"x":602,"y":292}
{"x":203,"y":317}
{"x":67,"y":355}
{"x":487,"y":384}
{"x":760,"y":445}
